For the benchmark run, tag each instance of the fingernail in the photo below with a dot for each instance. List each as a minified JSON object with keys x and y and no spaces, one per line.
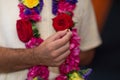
{"x":68,"y":30}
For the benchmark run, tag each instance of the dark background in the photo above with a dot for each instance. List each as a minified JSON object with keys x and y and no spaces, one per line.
{"x":106,"y":64}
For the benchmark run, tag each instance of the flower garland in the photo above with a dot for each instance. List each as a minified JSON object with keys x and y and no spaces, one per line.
{"x":28,"y":33}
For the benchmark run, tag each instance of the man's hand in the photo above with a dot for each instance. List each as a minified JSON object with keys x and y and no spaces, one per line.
{"x":54,"y":50}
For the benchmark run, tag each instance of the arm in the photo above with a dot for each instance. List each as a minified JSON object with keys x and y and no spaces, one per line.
{"x":101,"y":14}
{"x":54,"y":49}
{"x":86,"y":57}
{"x":89,"y":34}
{"x":11,"y":58}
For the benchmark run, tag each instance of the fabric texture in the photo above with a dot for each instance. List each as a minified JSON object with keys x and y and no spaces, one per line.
{"x":9,"y":13}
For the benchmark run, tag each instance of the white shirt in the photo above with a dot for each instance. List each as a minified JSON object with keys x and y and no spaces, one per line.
{"x":9,"y":13}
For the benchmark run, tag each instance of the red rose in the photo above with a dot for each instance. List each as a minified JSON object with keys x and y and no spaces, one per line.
{"x":62,"y":21}
{"x":24,"y":30}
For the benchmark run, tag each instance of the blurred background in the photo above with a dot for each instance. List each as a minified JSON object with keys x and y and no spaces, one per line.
{"x":106,"y":62}
{"x":102,"y":8}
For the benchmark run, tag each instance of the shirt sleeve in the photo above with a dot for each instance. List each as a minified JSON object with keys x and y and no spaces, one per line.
{"x":88,"y":30}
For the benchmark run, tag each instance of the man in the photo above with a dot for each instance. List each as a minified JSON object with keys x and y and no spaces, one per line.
{"x":14,"y":56}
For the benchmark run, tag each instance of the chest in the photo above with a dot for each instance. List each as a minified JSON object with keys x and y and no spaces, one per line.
{"x":9,"y":13}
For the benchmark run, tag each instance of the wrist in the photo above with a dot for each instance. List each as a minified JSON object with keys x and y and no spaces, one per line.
{"x":35,"y":56}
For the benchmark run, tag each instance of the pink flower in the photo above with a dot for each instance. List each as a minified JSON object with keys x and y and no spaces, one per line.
{"x":65,"y":7}
{"x":75,"y":41}
{"x":44,"y":73}
{"x":21,"y":7}
{"x":61,"y":77}
{"x":33,"y":42}
{"x":40,"y":71}
{"x":64,"y":69}
{"x":33,"y":16}
{"x":73,"y":60}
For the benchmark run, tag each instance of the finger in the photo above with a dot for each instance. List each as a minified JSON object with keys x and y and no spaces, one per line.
{"x":61,"y":50}
{"x":63,"y":56}
{"x":57,"y":35}
{"x":59,"y":63}
{"x":62,"y":41}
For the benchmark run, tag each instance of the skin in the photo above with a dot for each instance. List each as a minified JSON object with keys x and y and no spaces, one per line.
{"x":86,"y":57}
{"x":52,"y":52}
{"x":54,"y":49}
